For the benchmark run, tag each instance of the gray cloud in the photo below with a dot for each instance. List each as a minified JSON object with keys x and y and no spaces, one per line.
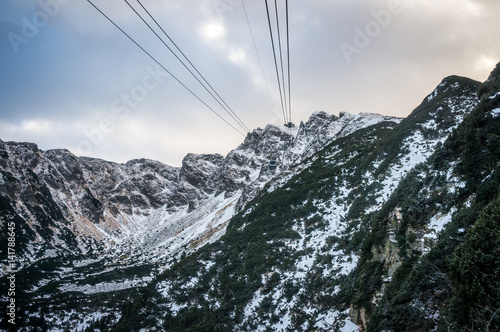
{"x":66,"y":80}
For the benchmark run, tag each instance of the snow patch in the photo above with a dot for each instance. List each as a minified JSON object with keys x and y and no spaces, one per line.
{"x":495,"y":95}
{"x":437,"y":223}
{"x":104,"y":287}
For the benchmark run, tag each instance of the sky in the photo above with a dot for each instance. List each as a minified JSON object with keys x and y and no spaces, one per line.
{"x":70,"y":79}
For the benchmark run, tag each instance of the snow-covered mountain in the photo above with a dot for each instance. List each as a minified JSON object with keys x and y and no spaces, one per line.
{"x":355,"y":206}
{"x":76,"y":205}
{"x":304,"y":238}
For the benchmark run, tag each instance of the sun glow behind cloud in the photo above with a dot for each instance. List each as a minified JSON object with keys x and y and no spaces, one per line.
{"x":214,"y":31}
{"x":485,"y":63}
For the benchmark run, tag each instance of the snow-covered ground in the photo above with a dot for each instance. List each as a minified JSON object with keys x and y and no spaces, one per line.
{"x":495,"y":112}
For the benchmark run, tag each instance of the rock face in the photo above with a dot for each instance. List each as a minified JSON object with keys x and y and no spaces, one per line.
{"x":79,"y":205}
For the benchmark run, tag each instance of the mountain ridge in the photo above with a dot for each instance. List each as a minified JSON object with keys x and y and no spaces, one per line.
{"x":323,"y":243}
{"x":93,"y":199}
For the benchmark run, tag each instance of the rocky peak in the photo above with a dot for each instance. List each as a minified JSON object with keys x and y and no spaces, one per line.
{"x":316,"y":123}
{"x":197,"y":177}
{"x":269,"y":135}
{"x":322,"y":116}
{"x":198,"y":162}
{"x":25,"y":153}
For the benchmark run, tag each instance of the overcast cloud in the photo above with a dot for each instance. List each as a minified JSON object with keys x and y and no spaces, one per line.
{"x":68,"y":84}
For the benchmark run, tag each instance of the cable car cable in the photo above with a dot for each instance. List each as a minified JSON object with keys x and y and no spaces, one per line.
{"x":258,"y":57}
{"x":275,"y":61}
{"x":288,"y":62}
{"x":194,"y":67}
{"x":241,"y":124}
{"x":281,"y":54}
{"x":163,"y":67}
